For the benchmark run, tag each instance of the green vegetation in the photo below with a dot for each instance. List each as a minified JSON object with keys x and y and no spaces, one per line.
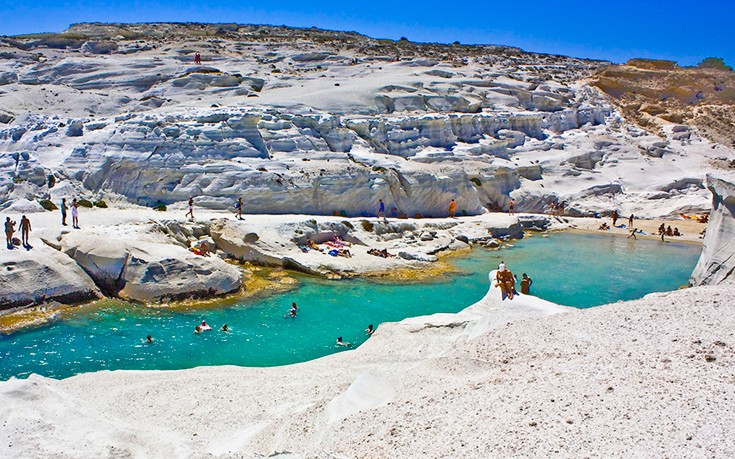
{"x":85,"y":203}
{"x":367,"y":226}
{"x":47,"y":204}
{"x":101,"y":204}
{"x":161,"y":207}
{"x":476,"y":181}
{"x":716,"y":63}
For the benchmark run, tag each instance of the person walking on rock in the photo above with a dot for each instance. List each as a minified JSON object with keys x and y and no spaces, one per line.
{"x":239,"y":208}
{"x":190,"y":214}
{"x":452,"y":208}
{"x":25,"y":228}
{"x":63,"y":211}
{"x":75,"y":214}
{"x":381,"y":210}
{"x":9,"y":230}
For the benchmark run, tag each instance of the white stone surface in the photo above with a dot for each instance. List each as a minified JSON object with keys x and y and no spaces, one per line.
{"x":717,"y":263}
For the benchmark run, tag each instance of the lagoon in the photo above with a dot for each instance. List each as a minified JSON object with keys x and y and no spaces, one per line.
{"x":580,"y":270}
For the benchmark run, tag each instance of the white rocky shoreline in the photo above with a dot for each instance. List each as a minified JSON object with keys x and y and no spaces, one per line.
{"x":320,"y":122}
{"x":642,"y":378}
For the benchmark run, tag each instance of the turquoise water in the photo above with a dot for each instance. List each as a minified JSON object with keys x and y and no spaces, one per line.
{"x":573,"y":269}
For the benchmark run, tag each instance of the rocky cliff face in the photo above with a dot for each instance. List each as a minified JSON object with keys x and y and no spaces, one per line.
{"x":717,"y":263}
{"x":310,"y":121}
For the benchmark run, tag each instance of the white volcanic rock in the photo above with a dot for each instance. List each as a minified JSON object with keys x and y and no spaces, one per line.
{"x":717,"y":262}
{"x":145,"y":271}
{"x":315,"y":126}
{"x":499,"y":379}
{"x":42,"y":274}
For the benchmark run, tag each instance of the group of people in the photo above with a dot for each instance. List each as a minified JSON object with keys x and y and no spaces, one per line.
{"x":25,"y":229}
{"x":369,"y":331}
{"x":25,"y":225}
{"x":204,"y":326}
{"x":506,"y":281}
{"x":663,"y":230}
{"x":74,"y":212}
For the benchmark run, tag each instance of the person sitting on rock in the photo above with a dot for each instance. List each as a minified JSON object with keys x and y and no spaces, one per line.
{"x":676,"y":232}
{"x":669,"y":231}
{"x":506,"y":281}
{"x":662,"y":229}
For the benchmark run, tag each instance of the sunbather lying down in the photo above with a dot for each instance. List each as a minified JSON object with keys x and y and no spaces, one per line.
{"x":383,"y":253}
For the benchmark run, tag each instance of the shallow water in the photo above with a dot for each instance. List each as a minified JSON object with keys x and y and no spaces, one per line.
{"x":579,"y":270}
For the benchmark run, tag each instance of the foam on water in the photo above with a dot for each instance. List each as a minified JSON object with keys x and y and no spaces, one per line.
{"x":574,"y":269}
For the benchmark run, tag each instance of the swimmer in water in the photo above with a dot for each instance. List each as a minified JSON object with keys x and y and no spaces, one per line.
{"x":225,"y":328}
{"x":370,"y":330}
{"x":198,"y":329}
{"x":294,"y":310}
{"x":204,"y":326}
{"x":342,"y":343}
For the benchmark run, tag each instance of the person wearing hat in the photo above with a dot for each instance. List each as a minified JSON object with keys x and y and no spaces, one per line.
{"x":506,"y":281}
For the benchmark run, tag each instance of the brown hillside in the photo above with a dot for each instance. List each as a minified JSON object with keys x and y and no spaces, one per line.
{"x":652,"y":94}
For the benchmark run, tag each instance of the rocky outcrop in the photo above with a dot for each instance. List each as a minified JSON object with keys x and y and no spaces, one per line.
{"x":40,"y":275}
{"x":717,"y":263}
{"x":148,"y":271}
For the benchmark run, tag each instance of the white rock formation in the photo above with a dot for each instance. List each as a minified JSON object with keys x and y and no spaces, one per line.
{"x":144,"y":271}
{"x":40,"y":275}
{"x":300,"y":121}
{"x":499,"y":379}
{"x":717,"y":263}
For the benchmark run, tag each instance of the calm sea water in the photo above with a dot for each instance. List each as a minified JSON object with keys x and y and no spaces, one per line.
{"x":572,"y":269}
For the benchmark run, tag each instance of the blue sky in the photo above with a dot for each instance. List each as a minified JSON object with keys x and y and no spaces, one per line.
{"x":683,"y":31}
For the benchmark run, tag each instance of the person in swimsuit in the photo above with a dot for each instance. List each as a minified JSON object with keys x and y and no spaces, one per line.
{"x":294,"y":310}
{"x":511,"y":207}
{"x":9,"y":230}
{"x":25,"y":228}
{"x":75,"y":214}
{"x":239,"y":208}
{"x":526,"y":283}
{"x":190,"y":214}
{"x":506,"y":281}
{"x":342,"y":343}
{"x":370,"y":330}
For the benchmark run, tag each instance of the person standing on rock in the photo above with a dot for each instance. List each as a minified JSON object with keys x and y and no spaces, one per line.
{"x":63,"y":211}
{"x":75,"y":214}
{"x":197,"y":58}
{"x":190,"y":214}
{"x":381,"y":210}
{"x":452,"y":208}
{"x":9,"y":230}
{"x":615,"y":216}
{"x":239,"y":208}
{"x":526,"y":283}
{"x":630,"y":221}
{"x":25,"y":228}
{"x":511,"y":207}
